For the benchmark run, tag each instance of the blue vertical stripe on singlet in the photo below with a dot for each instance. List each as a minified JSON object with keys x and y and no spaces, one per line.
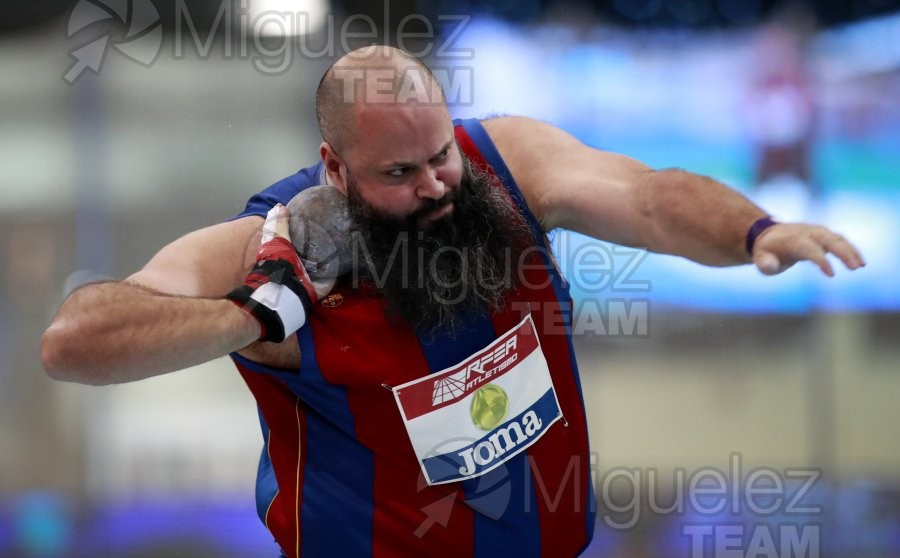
{"x":337,"y":507}
{"x":337,"y":496}
{"x":445,"y":350}
{"x":266,"y":483}
{"x":508,"y":522}
{"x":501,"y":524}
{"x":488,"y":150}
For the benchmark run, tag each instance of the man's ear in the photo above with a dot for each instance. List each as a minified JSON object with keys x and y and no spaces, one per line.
{"x":333,"y":164}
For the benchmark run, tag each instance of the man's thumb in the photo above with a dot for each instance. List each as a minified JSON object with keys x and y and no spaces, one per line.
{"x":767,"y":262}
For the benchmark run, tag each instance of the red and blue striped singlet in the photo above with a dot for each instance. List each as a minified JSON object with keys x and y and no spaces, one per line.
{"x":338,"y":474}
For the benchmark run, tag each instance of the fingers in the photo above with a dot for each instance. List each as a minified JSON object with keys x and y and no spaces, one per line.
{"x":282,"y":223}
{"x":804,"y":247}
{"x":269,"y":229}
{"x":323,"y":287}
{"x":277,"y":224}
{"x":784,"y":245}
{"x":816,"y":253}
{"x":836,"y":244}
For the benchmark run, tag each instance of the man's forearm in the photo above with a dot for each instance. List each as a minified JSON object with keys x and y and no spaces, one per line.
{"x":696,"y":217}
{"x":119,"y":332}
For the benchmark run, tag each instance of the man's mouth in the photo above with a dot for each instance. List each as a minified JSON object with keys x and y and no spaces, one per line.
{"x":426,"y":220}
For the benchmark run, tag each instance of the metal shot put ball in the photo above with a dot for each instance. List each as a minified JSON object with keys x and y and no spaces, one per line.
{"x":319,"y":226}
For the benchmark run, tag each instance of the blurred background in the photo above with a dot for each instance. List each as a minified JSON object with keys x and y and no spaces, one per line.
{"x":127,"y":123}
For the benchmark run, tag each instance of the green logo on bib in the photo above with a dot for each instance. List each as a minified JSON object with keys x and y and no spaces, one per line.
{"x":489,"y":406}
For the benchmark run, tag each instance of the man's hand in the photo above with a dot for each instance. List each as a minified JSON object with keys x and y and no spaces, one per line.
{"x":278,"y":291}
{"x":784,"y":244}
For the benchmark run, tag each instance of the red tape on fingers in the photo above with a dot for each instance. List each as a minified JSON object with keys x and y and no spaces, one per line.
{"x":280,"y":248}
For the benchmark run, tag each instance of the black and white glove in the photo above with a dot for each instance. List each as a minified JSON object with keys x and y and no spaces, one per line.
{"x":278,"y":291}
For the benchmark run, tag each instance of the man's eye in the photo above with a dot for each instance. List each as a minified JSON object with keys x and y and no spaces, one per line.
{"x":400,"y":171}
{"x":443,"y":154}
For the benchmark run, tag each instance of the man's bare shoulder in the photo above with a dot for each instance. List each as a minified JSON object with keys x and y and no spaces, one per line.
{"x":527,"y":143}
{"x":560,"y":177}
{"x":529,"y":148}
{"x":506,"y":130}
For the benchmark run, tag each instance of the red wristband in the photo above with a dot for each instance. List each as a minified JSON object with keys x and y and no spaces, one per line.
{"x":757,"y":229}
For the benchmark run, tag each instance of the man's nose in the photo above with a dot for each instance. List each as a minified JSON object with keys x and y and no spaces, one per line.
{"x":430,"y":185}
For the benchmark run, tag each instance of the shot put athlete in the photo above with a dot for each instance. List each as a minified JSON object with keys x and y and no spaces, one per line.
{"x":417,"y":405}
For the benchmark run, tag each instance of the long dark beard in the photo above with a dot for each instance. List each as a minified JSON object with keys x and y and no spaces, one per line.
{"x":461,"y":265}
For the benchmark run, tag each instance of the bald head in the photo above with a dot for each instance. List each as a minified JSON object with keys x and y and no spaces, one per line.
{"x":369,"y":78}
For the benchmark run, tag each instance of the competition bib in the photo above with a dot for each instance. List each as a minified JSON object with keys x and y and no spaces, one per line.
{"x":471,"y":418}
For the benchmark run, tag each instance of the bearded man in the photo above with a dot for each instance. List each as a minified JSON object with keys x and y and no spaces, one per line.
{"x":419,"y":405}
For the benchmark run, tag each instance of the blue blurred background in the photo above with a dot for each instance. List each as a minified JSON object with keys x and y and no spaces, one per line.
{"x":127,"y":123}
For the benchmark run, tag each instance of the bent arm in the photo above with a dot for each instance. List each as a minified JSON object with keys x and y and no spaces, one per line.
{"x":117,"y":332}
{"x":616,"y":198}
{"x":168,"y":316}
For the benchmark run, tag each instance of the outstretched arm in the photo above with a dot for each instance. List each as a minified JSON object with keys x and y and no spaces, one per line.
{"x":613,"y":197}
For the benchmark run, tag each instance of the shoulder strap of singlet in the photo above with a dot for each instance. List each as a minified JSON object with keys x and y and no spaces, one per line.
{"x":478,"y":145}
